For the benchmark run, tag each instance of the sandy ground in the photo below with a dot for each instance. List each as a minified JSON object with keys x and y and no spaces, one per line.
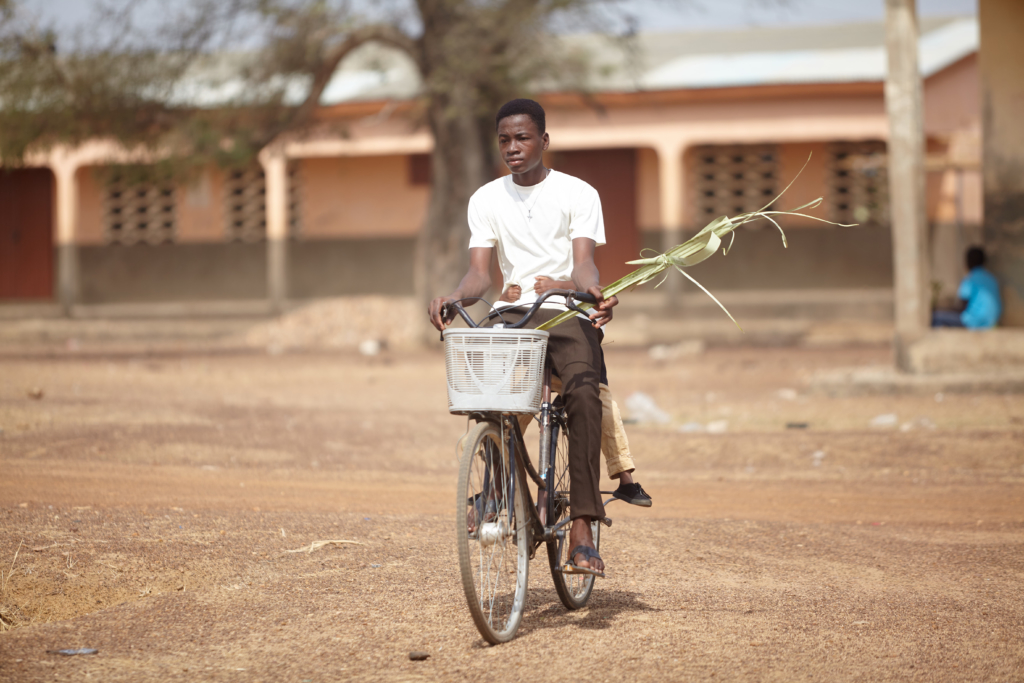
{"x":149,"y":504}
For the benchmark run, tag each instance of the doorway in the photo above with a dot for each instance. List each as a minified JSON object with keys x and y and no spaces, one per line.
{"x":26,"y":234}
{"x":612,"y":172}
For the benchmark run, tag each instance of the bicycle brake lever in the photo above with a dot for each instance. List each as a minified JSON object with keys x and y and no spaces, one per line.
{"x":571,"y":305}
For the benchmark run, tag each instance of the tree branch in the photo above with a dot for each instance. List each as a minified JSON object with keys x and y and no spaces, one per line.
{"x":383,"y":33}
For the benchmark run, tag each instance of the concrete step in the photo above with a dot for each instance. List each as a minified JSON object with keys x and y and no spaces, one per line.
{"x":21,"y":310}
{"x":810,"y":305}
{"x":160,"y":322}
{"x":887,"y":380}
{"x":956,"y":350}
{"x":647,"y":330}
{"x":243,"y":308}
{"x":76,"y":332}
{"x":644,"y":318}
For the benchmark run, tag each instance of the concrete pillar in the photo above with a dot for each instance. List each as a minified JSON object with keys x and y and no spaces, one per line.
{"x":1002,"y":94}
{"x":66,"y":217}
{"x":671,"y":174}
{"x":947,"y":238}
{"x":903,"y":103}
{"x":275,"y":169}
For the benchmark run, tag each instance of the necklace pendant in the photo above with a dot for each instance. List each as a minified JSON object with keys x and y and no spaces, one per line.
{"x":529,"y":215}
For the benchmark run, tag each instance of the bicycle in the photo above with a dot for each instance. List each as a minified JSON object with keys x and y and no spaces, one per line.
{"x":494,"y":375}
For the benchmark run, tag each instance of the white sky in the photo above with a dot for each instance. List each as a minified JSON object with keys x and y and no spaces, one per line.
{"x":726,"y":14}
{"x":656,"y":15}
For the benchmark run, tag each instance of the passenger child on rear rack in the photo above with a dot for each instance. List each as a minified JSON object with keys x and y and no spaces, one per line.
{"x":614,"y":444}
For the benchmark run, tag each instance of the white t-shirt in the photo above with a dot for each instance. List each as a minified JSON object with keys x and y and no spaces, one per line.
{"x":533,"y":227}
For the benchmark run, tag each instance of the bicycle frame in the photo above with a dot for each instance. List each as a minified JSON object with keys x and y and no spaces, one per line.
{"x":519,"y":457}
{"x":540,"y":531}
{"x":496,"y":586}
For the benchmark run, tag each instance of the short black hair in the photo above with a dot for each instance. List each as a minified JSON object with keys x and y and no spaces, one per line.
{"x":522,"y":106}
{"x":975,"y":257}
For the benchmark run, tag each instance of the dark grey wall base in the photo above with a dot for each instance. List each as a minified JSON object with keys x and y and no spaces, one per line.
{"x":208,"y":272}
{"x":66,"y":276}
{"x":831,"y":258}
{"x":346,"y":267}
{"x":171,"y":272}
{"x":826,"y":257}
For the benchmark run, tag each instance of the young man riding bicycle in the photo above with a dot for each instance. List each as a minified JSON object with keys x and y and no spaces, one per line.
{"x":547,"y":223}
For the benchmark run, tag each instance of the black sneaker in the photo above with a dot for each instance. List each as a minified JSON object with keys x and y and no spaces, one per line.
{"x":633,"y":494}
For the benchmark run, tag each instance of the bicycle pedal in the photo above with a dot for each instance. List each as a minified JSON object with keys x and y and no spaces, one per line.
{"x":607,"y":521}
{"x":564,"y":569}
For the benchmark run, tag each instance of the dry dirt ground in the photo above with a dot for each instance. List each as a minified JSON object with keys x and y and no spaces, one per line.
{"x":148,"y":505}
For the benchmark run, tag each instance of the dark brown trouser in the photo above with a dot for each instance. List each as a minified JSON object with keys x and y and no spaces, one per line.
{"x":574,"y":349}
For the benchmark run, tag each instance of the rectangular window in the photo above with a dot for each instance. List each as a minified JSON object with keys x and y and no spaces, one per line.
{"x":858,"y":184}
{"x":294,"y":205}
{"x":419,"y":169}
{"x":245,"y":204}
{"x":139,"y":212}
{"x":245,"y":207}
{"x":733,"y":179}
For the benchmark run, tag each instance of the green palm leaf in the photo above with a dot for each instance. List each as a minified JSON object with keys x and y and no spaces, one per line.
{"x":698,"y":248}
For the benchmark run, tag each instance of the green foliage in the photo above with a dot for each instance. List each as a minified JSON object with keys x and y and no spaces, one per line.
{"x":136,"y":89}
{"x":210,"y":85}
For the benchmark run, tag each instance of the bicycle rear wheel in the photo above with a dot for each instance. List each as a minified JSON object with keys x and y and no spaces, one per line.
{"x":491,"y":530}
{"x":573,"y":589}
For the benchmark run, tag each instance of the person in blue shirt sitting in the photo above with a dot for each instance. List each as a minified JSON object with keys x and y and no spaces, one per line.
{"x":980,"y":293}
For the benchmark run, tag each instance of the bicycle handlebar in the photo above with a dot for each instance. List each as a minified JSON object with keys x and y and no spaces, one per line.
{"x":569,"y":295}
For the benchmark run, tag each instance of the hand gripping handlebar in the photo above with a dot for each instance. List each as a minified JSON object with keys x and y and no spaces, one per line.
{"x":571,"y":296}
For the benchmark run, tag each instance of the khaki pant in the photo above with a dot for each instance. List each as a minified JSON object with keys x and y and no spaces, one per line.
{"x":574,"y":351}
{"x":614,"y":445}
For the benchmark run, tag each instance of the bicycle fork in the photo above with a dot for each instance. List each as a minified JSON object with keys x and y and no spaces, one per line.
{"x":544,"y":457}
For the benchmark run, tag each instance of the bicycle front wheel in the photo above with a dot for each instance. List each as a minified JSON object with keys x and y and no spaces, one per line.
{"x":573,"y":589}
{"x":490,"y":525}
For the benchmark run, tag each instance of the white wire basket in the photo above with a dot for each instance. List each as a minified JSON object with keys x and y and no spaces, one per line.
{"x":495,"y":370}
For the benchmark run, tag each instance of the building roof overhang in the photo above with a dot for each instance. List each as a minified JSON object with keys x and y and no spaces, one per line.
{"x":856,"y":68}
{"x":937,"y":49}
{"x":577,"y":100}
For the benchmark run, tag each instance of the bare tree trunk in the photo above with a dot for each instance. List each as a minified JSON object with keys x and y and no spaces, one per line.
{"x":459,"y":167}
{"x":465,"y":59}
{"x":463,"y":154}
